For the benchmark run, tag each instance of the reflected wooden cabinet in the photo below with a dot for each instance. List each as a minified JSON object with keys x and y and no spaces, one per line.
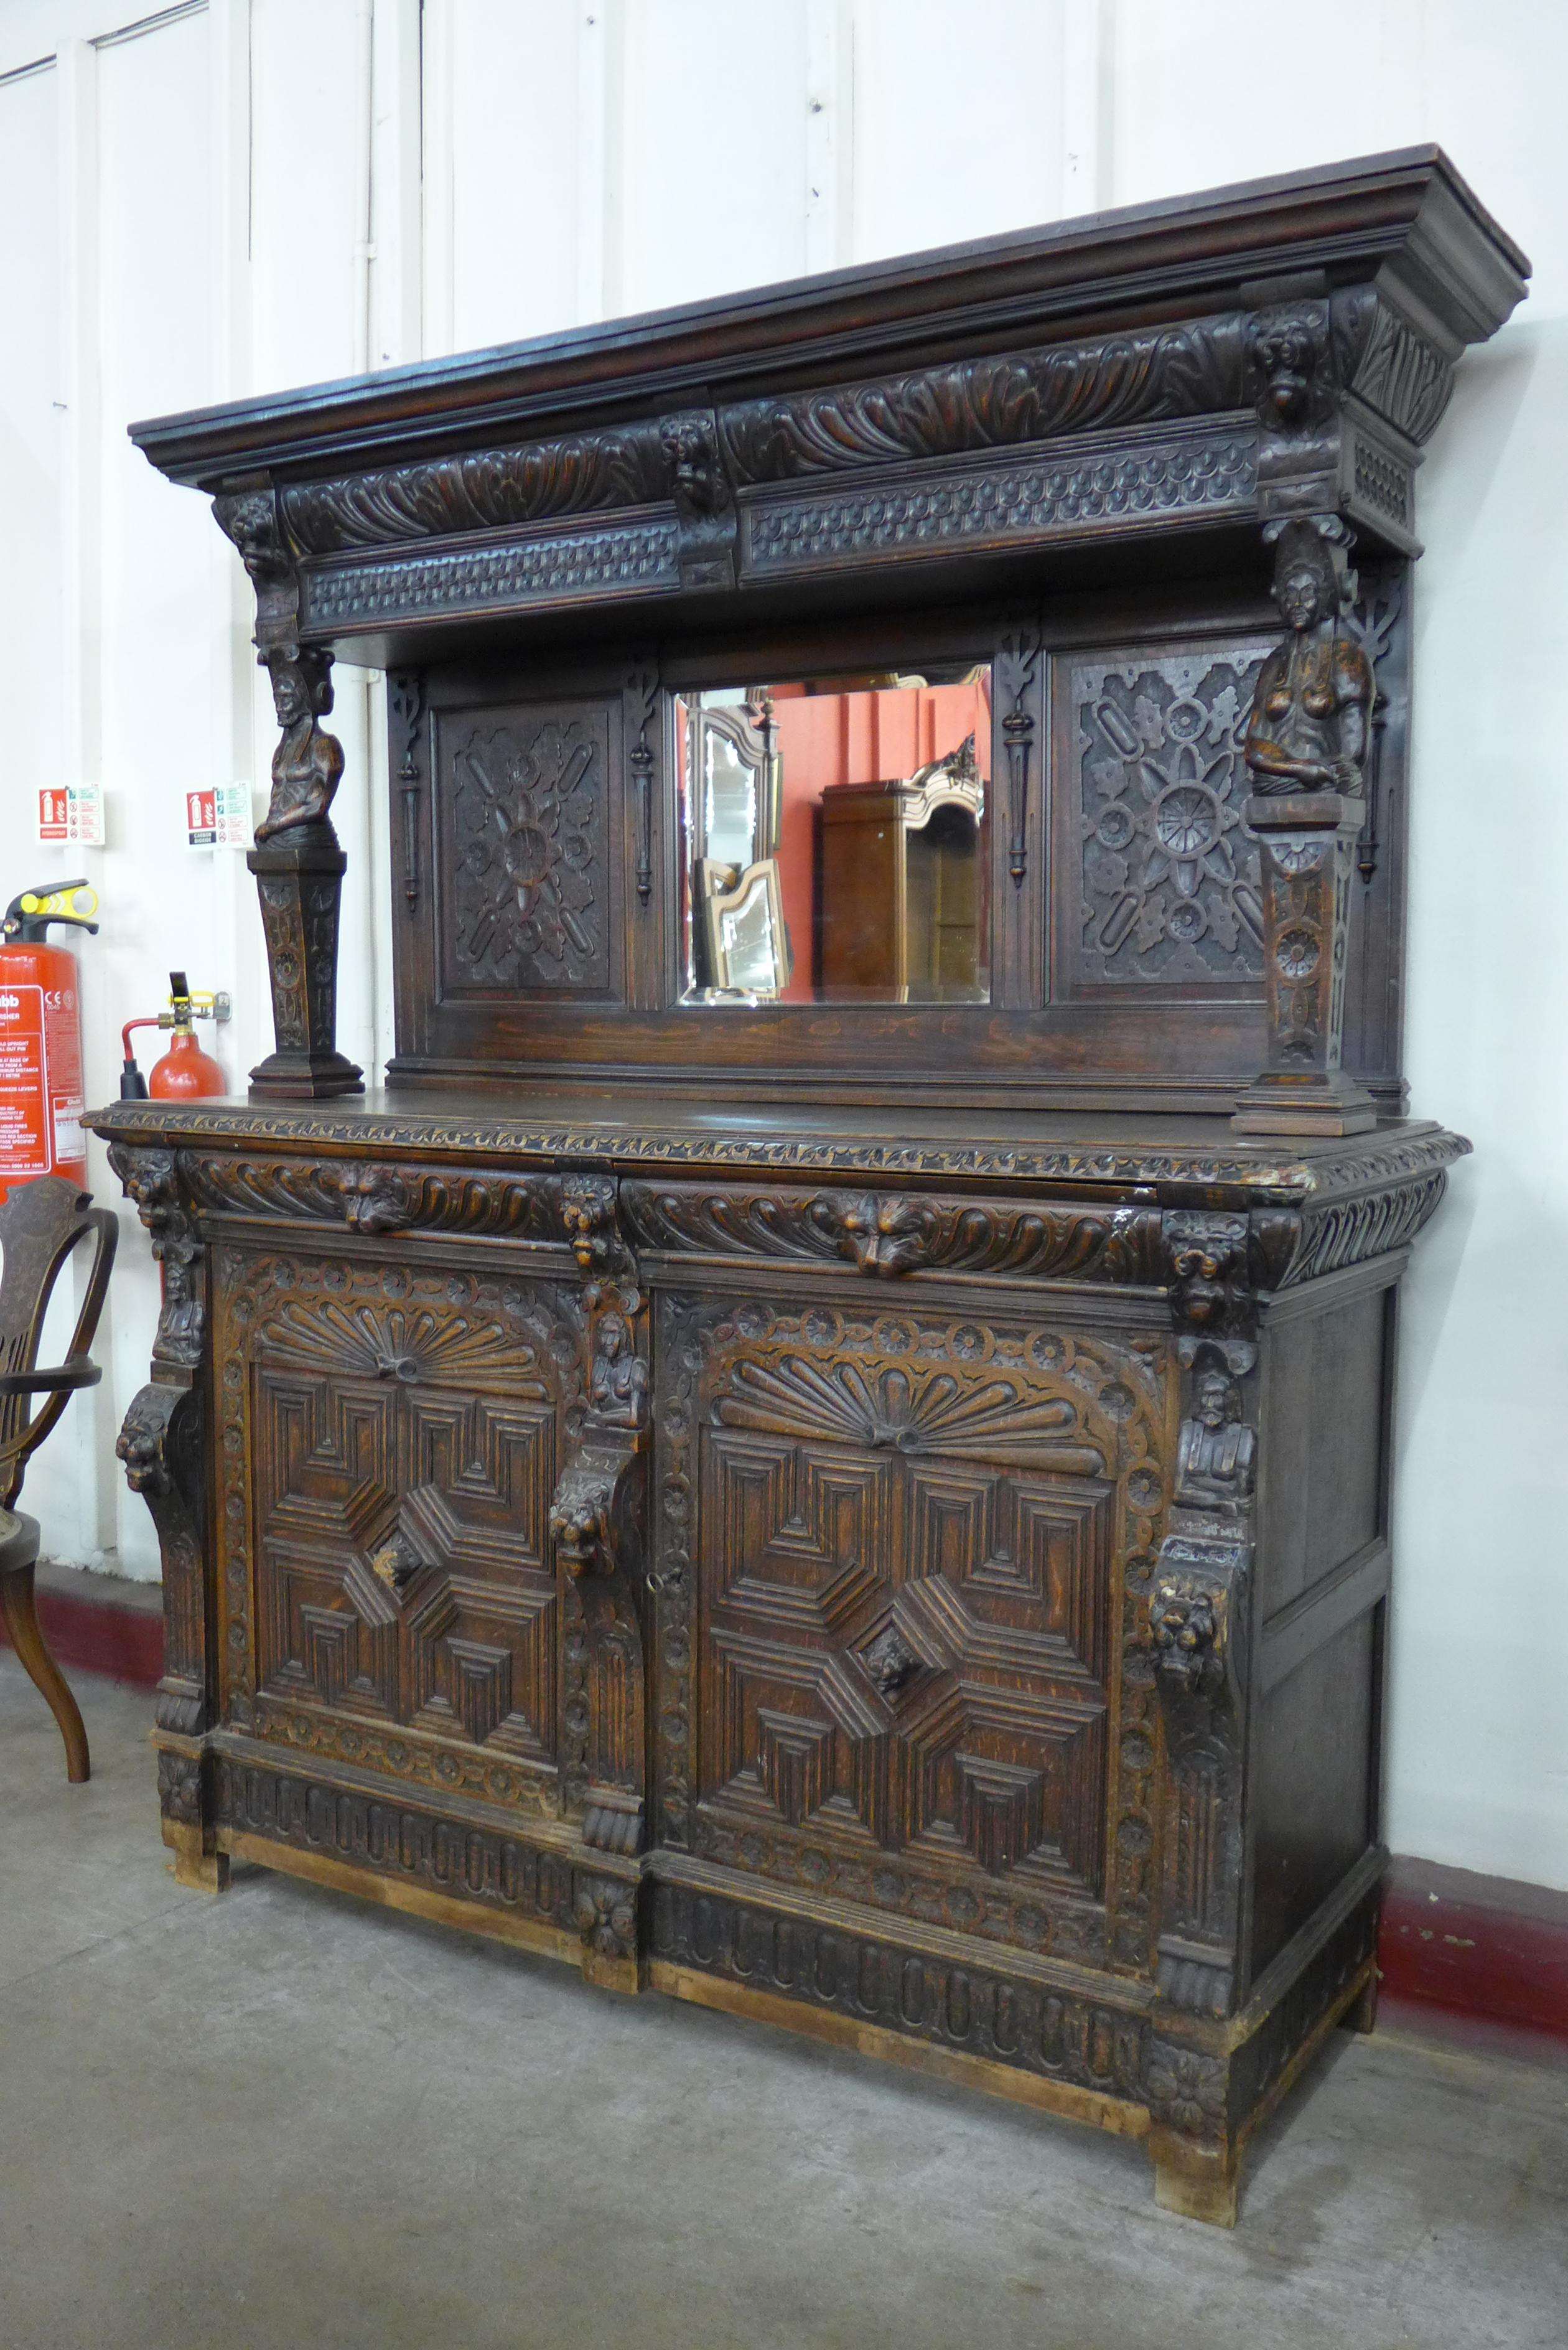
{"x":851,"y":1487}
{"x":904,"y":885}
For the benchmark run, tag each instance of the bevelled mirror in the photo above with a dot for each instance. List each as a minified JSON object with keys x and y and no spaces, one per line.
{"x":834,"y":839}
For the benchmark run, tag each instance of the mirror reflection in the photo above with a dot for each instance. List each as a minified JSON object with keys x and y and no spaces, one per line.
{"x":835,"y":836}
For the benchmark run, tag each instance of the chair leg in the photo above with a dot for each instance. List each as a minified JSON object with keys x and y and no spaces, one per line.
{"x":21,"y":1616}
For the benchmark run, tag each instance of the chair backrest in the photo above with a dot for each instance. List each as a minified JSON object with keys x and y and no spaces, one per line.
{"x":41,"y":1222}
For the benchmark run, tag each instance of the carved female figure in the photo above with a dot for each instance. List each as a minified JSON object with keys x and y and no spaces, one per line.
{"x":617,"y":1393}
{"x":307,"y":764}
{"x":1307,"y":731}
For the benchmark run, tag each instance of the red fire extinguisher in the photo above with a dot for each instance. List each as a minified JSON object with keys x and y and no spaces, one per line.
{"x":185,"y":1073}
{"x":41,"y":1038}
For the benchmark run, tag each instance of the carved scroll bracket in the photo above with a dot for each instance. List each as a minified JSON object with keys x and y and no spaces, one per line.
{"x":1016,"y":666}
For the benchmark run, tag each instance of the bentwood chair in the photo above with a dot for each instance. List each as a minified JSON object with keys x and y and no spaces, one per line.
{"x":41,"y":1224}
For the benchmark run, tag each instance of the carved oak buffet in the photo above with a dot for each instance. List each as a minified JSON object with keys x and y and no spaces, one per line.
{"x":861,"y":1506}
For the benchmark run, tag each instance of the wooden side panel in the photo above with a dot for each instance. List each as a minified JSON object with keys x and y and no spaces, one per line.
{"x":1322,"y":1461}
{"x":1313,"y":1783}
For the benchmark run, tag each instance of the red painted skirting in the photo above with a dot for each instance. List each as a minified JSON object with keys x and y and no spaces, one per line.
{"x":1485,"y":1947}
{"x":93,"y":1622}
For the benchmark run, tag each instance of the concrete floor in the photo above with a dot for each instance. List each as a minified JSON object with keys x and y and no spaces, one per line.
{"x":284,"y":2118}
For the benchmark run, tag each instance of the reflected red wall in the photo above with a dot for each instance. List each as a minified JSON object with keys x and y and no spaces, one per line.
{"x":871,"y":737}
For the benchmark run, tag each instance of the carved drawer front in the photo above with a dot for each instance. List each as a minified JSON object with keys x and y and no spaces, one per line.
{"x":894,"y":1548}
{"x":404,"y":1430}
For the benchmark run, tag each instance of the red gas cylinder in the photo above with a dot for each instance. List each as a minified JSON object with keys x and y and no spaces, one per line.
{"x":41,"y":1039}
{"x":185,"y":1073}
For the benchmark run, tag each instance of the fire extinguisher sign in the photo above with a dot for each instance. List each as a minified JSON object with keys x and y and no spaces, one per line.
{"x":219,"y":816}
{"x":71,"y":813}
{"x":23,"y":1097}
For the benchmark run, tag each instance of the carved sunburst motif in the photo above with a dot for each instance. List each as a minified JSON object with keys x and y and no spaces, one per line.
{"x":393,"y":1343}
{"x":910,"y":1411}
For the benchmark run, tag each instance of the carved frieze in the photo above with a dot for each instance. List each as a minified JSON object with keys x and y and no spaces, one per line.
{"x":1014,"y":500}
{"x":888,"y":1234}
{"x":485,"y":489}
{"x":367,"y":1195}
{"x":627,"y":559}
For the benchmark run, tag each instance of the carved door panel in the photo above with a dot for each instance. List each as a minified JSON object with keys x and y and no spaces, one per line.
{"x":906,"y":1555}
{"x":390,"y":1565}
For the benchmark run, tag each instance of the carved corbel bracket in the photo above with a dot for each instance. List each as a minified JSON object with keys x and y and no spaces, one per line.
{"x":704,"y":501}
{"x":1346,"y":390}
{"x":151,"y":1181}
{"x":1198,"y":1609}
{"x":160,"y":1443}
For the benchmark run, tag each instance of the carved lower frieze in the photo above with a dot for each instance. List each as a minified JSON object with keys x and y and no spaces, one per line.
{"x":419,"y":1760}
{"x":975,"y":2010}
{"x":445,"y":1854}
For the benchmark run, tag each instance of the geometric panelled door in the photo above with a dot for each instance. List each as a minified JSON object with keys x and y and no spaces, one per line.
{"x":403,"y":1542}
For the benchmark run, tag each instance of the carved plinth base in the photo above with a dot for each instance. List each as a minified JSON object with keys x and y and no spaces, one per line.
{"x":1277,"y":1103}
{"x":299,"y":880}
{"x":1308,"y":860}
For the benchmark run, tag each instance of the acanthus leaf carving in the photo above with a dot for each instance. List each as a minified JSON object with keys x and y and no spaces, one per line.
{"x":1146,"y":376}
{"x":886,"y":1235}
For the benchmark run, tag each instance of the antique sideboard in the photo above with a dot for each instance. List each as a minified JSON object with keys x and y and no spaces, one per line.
{"x":863,"y":1500}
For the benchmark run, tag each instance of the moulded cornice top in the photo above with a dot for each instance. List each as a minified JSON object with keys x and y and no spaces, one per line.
{"x":1405,"y":220}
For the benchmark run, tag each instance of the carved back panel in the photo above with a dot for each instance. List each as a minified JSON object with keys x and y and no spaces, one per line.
{"x":524,"y":834}
{"x":1147,"y":786}
{"x":910,"y":1548}
{"x":391,"y":1440}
